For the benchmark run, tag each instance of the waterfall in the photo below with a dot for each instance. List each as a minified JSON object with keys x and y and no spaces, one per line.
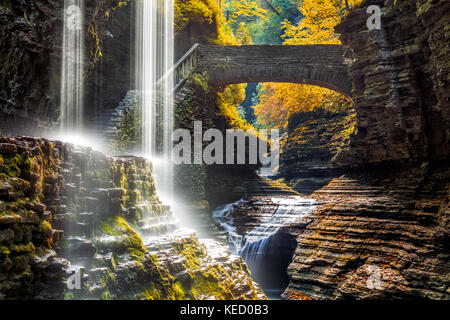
{"x":154,"y":59}
{"x":257,"y":240}
{"x":72,"y":68}
{"x":259,"y":243}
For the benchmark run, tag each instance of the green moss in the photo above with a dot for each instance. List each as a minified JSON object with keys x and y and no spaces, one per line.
{"x":69,"y":295}
{"x":4,"y":250}
{"x":12,"y":166}
{"x":151,"y":293}
{"x":106,"y":295}
{"x":205,"y":286}
{"x":126,"y":237}
{"x":192,"y":251}
{"x":46,"y":229}
{"x":129,"y":131}
{"x":23,"y":248}
{"x":171,"y":291}
{"x":177,"y":292}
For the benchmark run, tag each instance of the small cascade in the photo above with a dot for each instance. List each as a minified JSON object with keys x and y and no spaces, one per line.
{"x":264,"y":241}
{"x":72,"y":83}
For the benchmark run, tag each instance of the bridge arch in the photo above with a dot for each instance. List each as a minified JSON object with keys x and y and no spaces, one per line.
{"x":320,"y":65}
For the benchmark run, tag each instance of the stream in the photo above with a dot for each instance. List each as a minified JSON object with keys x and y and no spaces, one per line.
{"x":262,"y":243}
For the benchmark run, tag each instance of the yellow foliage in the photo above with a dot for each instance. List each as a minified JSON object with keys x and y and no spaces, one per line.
{"x":280,"y":100}
{"x":206,"y":12}
{"x":242,"y":35}
{"x":317,"y":26}
{"x":228,"y":101}
{"x":245,"y":8}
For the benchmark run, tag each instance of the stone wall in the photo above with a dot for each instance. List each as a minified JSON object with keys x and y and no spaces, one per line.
{"x":322,"y":65}
{"x":400,"y":82}
{"x":29,"y":179}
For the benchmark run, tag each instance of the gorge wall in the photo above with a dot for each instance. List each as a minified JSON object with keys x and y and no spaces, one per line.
{"x":31,"y":35}
{"x":381,"y":228}
{"x":400,"y":82}
{"x":64,"y":205}
{"x":312,"y":141}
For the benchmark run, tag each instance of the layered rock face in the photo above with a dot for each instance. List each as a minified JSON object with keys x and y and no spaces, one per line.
{"x":103,"y":216}
{"x":28,"y":180}
{"x":400,"y":82}
{"x":31,"y":35}
{"x":259,"y":229}
{"x":381,"y":229}
{"x":381,"y":234}
{"x":29,"y":83}
{"x":227,"y":184}
{"x":313,"y":140}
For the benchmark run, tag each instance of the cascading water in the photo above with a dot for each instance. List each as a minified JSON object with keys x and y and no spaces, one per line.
{"x":72,"y":83}
{"x":257,"y":245}
{"x":154,"y":59}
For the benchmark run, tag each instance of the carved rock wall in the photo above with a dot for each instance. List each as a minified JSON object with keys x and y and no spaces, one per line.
{"x":313,"y":140}
{"x":381,"y":234}
{"x":381,"y":231}
{"x":400,"y":82}
{"x":31,"y":35}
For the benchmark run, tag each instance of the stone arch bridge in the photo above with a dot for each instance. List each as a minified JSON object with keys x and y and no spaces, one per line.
{"x":321,"y":65}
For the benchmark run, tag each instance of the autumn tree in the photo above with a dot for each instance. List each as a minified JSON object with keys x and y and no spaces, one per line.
{"x":280,"y":100}
{"x":319,"y":19}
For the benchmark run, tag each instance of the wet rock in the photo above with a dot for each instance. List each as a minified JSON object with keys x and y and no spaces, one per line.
{"x":88,"y":227}
{"x":313,"y":140}
{"x":38,"y":207}
{"x":80,"y":247}
{"x":8,"y":149}
{"x":10,"y":219}
{"x":368,"y":239}
{"x":6,"y":235}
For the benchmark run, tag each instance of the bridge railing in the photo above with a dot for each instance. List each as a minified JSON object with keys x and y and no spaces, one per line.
{"x":182,"y":68}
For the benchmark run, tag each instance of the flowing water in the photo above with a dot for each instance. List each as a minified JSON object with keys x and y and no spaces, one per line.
{"x":153,"y":77}
{"x":72,"y":83}
{"x":154,"y":59}
{"x":261,"y":243}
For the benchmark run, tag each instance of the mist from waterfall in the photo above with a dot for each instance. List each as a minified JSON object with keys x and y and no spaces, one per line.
{"x":154,"y":59}
{"x":72,"y":82}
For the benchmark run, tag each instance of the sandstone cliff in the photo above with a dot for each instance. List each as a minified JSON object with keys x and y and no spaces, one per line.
{"x":381,"y":234}
{"x":312,"y":141}
{"x":381,"y":229}
{"x":400,"y":82}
